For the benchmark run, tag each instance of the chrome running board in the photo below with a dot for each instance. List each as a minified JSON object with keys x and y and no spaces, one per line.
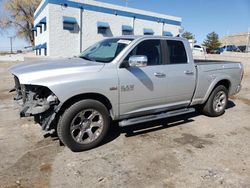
{"x":153,"y":117}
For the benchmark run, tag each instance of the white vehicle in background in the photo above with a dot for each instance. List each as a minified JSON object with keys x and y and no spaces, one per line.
{"x":198,"y":50}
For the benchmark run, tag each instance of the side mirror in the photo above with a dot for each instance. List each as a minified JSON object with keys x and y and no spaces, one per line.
{"x":138,"y":61}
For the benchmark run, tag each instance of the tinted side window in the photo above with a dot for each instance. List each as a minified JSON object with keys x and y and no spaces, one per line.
{"x":149,"y":48}
{"x":176,"y":52}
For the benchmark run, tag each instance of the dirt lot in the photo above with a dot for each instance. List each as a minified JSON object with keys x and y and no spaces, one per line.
{"x":187,"y":151}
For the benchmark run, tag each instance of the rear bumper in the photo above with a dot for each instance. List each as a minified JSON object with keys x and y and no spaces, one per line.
{"x":238,"y":88}
{"x":235,"y":89}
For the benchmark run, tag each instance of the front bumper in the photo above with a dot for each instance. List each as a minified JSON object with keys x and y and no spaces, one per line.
{"x":37,"y":101}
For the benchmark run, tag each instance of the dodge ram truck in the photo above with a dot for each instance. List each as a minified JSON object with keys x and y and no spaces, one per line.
{"x":129,"y":79}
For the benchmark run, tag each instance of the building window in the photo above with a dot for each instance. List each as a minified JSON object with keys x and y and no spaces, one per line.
{"x":101,"y":30}
{"x":39,"y":27}
{"x":127,"y":30}
{"x":68,"y":26}
{"x":41,"y":48}
{"x":44,"y":23}
{"x":34,"y":31}
{"x":38,"y":48}
{"x":167,"y":33}
{"x":44,"y":47}
{"x":102,"y":27}
{"x":69,"y":23}
{"x":148,"y":31}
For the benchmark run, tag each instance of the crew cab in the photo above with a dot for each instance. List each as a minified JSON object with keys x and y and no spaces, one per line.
{"x":129,"y":79}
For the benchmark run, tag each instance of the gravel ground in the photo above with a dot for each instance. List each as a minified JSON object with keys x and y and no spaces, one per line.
{"x":186,"y":151}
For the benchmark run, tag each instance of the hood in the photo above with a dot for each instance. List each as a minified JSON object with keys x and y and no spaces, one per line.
{"x":50,"y":69}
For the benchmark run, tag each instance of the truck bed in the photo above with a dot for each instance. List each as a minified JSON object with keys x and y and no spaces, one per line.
{"x":209,"y":72}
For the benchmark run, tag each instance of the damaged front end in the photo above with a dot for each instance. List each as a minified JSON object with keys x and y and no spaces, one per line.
{"x":37,"y":101}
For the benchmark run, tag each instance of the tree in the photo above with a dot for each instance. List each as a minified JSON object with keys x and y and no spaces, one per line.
{"x":212,"y":41}
{"x":18,"y":14}
{"x":188,"y":35}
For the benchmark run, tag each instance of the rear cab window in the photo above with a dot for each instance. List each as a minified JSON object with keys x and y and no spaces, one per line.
{"x":176,"y":52}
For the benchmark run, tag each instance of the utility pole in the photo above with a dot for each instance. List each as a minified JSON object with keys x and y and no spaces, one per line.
{"x":126,"y":3}
{"x":11,"y":49}
{"x":248,"y":40}
{"x":227,"y":40}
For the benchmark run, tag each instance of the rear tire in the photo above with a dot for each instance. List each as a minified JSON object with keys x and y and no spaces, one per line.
{"x":217,"y":102}
{"x":83,"y":125}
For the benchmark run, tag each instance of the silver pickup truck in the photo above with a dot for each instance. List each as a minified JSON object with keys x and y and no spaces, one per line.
{"x":130,"y":79}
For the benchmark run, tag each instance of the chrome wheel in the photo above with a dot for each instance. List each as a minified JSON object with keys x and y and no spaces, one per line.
{"x":86,"y":126}
{"x":219,"y":103}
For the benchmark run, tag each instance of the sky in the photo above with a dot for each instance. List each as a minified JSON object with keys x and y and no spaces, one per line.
{"x":4,"y":37}
{"x":198,"y":16}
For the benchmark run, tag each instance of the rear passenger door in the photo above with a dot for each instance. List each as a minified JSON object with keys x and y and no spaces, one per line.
{"x":180,"y":74}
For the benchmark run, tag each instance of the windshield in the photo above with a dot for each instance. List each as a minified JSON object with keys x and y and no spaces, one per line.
{"x":106,"y":50}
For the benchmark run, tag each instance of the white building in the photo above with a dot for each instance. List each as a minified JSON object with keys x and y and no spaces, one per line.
{"x":65,"y":28}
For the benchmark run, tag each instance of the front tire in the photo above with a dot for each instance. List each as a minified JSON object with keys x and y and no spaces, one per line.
{"x":83,"y":125}
{"x":217,"y":102}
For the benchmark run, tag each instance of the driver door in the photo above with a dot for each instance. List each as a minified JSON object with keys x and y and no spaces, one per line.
{"x":143,"y":90}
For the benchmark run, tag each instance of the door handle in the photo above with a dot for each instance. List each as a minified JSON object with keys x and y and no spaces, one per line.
{"x":159,"y":74}
{"x":189,"y":72}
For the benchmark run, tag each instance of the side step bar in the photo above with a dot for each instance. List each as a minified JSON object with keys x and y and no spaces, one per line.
{"x":147,"y":118}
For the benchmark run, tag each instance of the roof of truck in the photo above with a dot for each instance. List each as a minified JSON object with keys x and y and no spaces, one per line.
{"x":148,"y":37}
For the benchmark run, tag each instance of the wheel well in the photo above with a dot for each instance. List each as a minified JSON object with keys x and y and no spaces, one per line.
{"x":95,"y":96}
{"x":225,"y":83}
